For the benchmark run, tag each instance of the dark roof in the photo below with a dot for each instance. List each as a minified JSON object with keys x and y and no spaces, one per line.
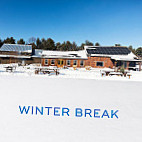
{"x":16,"y":48}
{"x":108,"y":50}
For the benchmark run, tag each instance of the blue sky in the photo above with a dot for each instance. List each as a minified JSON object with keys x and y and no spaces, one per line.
{"x":104,"y":21}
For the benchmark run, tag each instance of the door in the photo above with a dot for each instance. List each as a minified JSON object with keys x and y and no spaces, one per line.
{"x":60,"y":63}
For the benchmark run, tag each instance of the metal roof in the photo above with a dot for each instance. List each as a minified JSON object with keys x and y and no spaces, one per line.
{"x":16,"y":48}
{"x":112,"y":50}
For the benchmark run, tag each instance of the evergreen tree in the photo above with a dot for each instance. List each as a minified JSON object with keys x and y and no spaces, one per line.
{"x":39,"y":44}
{"x":10,"y":40}
{"x":1,"y":42}
{"x":50,"y":44}
{"x":132,"y":49}
{"x":74,"y":46}
{"x":63,"y":46}
{"x":58,"y":46}
{"x":43,"y":43}
{"x":117,"y":44}
{"x":139,"y":52}
{"x":82,"y":46}
{"x":21,"y":41}
{"x":68,"y":46}
{"x":88,"y":43}
{"x":97,"y":44}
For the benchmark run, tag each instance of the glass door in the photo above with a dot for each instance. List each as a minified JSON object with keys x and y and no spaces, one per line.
{"x":60,"y":63}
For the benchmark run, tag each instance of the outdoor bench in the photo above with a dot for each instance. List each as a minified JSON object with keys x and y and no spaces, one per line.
{"x":46,"y":71}
{"x":115,"y":73}
{"x":10,"y":68}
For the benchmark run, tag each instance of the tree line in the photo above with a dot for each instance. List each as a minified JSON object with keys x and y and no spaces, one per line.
{"x":49,"y":44}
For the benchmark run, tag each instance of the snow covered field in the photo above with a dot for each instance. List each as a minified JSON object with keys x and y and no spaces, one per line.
{"x":16,"y":89}
{"x":70,"y":73}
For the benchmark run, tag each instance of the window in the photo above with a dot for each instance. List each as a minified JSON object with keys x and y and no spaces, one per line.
{"x":52,"y":62}
{"x":125,"y":64}
{"x":58,"y":62}
{"x":46,"y":62}
{"x":132,"y":64}
{"x":100,"y":64}
{"x":68,"y":62}
{"x":74,"y":62}
{"x":62,"y":62}
{"x":81,"y":63}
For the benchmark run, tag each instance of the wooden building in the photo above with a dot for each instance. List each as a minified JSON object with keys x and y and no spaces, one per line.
{"x":92,"y":56}
{"x":110,"y":57}
{"x":64,"y":58}
{"x":15,"y":53}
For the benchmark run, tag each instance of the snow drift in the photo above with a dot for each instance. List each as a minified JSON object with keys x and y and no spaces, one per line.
{"x":72,"y":93}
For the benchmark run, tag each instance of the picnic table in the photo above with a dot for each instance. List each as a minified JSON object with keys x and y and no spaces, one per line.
{"x":106,"y":73}
{"x":116,"y":73}
{"x":10,"y":68}
{"x":46,"y":70}
{"x":111,"y":73}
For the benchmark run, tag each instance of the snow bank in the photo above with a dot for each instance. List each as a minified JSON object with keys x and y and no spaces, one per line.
{"x":58,"y":92}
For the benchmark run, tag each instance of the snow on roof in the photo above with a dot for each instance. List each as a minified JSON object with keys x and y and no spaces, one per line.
{"x":37,"y":53}
{"x":81,"y":54}
{"x":18,"y":56}
{"x":129,"y":57}
{"x":16,"y":48}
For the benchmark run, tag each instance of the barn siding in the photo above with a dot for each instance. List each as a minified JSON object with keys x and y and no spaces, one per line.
{"x":93,"y":60}
{"x":65,"y":62}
